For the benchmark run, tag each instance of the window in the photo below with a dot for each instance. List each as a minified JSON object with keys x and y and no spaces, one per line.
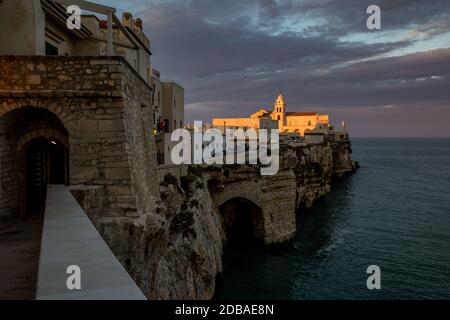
{"x":153,"y":94}
{"x":181,"y":124}
{"x":279,"y":118}
{"x":309,"y":123}
{"x":174,"y":124}
{"x":166,"y":126}
{"x":50,"y":50}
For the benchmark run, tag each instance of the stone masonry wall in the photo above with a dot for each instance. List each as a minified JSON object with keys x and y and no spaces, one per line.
{"x":8,"y":174}
{"x":17,"y":130}
{"x":101,"y":102}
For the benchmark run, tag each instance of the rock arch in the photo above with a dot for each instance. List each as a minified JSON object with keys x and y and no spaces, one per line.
{"x":243,"y":220}
{"x":249,"y":190}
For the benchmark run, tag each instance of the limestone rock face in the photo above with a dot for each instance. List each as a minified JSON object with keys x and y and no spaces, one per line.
{"x":313,"y":172}
{"x":192,"y":250}
{"x":342,"y":159}
{"x":175,"y":253}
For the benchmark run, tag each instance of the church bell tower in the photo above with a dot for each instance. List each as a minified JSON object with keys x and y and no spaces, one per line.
{"x":279,"y":110}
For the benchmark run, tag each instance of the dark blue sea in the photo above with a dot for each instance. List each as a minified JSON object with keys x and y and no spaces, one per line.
{"x":394,"y":213}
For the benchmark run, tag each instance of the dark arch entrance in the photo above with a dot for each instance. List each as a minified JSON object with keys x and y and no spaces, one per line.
{"x":34,"y":152}
{"x":242,"y":220}
{"x":46,"y":162}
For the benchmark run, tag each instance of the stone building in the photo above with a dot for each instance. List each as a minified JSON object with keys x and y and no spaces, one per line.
{"x":39,"y":28}
{"x":285,"y":122}
{"x":72,"y":111}
{"x":84,"y":119}
{"x":168,"y":106}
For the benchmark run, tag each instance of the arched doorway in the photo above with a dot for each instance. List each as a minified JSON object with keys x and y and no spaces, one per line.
{"x":242,"y":220}
{"x":34,"y":152}
{"x":46,"y":162}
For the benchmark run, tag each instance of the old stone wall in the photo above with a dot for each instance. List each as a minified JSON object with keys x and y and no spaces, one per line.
{"x":140,"y":142}
{"x":8,"y":174}
{"x":102,"y":104}
{"x":17,"y":130}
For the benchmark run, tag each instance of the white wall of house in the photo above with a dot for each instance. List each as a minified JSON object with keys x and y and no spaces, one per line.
{"x":22,"y":27}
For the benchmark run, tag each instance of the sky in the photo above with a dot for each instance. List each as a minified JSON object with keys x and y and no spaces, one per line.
{"x":234,"y":57}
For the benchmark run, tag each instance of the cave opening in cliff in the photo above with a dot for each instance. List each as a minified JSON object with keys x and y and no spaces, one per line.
{"x":242,"y":221}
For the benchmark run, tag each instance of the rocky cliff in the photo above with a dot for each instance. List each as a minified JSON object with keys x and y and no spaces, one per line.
{"x":175,"y":252}
{"x":317,"y":165}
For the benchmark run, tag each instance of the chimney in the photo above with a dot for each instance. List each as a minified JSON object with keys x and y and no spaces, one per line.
{"x":139,"y":23}
{"x":127,"y":19}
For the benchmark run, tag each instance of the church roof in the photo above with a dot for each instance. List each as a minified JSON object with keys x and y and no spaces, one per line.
{"x":280,"y":100}
{"x":260,"y":112}
{"x":300,"y":114}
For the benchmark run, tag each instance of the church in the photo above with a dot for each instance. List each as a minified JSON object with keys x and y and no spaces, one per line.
{"x":285,"y":122}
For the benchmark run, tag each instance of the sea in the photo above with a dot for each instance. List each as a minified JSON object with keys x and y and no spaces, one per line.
{"x":394,"y":213}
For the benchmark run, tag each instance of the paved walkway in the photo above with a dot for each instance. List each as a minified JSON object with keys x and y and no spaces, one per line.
{"x":69,"y":238}
{"x":19,"y":258}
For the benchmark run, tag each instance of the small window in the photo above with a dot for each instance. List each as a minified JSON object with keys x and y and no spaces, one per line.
{"x":50,"y":50}
{"x":174,"y":124}
{"x":153,"y":94}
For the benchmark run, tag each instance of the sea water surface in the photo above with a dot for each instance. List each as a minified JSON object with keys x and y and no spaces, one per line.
{"x":394,"y":213}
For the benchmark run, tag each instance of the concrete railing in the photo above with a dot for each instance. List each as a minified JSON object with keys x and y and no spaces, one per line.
{"x":70,"y":239}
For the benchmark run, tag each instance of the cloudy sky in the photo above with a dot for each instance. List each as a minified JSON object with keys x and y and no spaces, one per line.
{"x":234,"y":56}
